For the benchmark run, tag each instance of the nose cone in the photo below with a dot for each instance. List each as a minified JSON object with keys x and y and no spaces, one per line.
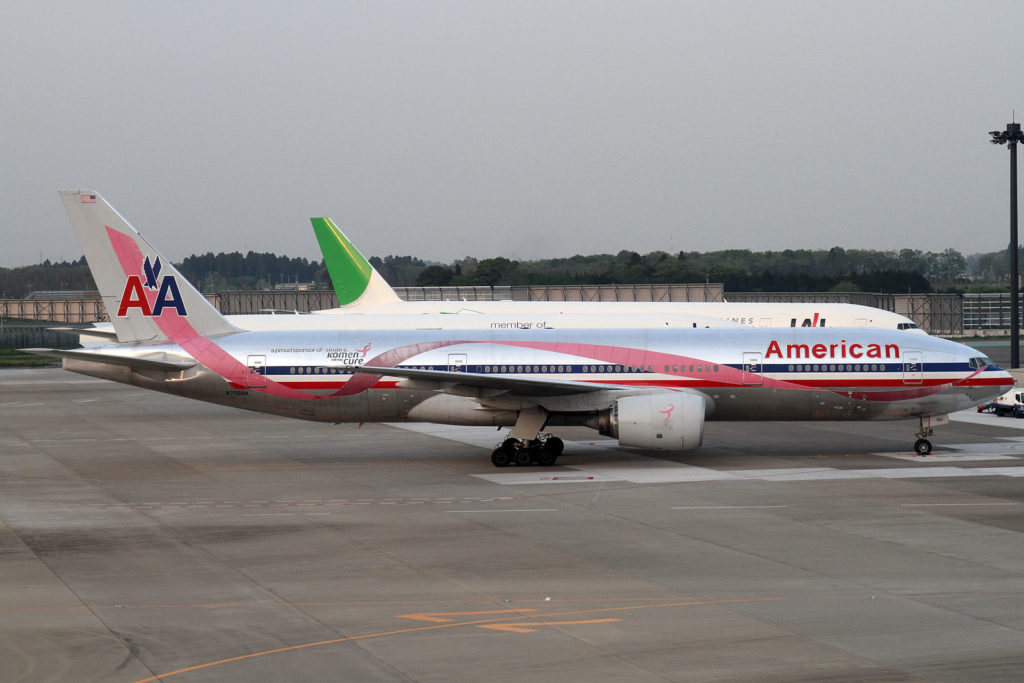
{"x":991,"y":382}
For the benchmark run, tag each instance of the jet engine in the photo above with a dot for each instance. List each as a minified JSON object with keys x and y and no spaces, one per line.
{"x":656,"y":422}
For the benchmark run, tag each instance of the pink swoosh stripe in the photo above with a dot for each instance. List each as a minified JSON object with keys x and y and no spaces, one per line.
{"x":180,"y":331}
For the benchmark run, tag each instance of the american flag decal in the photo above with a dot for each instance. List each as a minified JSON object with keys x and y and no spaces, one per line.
{"x":88,"y":199}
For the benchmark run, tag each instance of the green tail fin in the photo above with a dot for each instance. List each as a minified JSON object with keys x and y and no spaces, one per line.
{"x":355,"y":281}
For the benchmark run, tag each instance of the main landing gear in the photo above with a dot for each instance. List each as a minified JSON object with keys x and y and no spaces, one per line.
{"x":525,"y":444}
{"x":543,"y":451}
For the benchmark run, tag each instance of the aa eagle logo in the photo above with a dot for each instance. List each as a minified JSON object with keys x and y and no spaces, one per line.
{"x":134,"y":294}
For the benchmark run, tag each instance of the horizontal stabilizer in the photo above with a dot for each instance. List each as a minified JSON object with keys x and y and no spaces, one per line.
{"x":163,"y":362}
{"x":105,"y":333}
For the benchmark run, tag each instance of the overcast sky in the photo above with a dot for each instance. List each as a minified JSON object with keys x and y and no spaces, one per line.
{"x":517,"y":129}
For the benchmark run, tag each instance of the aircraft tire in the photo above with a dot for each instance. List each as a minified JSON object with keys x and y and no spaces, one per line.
{"x":554,"y":445}
{"x":501,"y":457}
{"x":523,"y":457}
{"x":923,"y":447}
{"x":546,"y":458}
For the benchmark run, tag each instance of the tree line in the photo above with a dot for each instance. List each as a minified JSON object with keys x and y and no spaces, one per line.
{"x":739,"y":270}
{"x":208,"y":272}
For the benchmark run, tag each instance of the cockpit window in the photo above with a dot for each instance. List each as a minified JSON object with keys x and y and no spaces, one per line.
{"x":980,"y":362}
{"x":907,"y":326}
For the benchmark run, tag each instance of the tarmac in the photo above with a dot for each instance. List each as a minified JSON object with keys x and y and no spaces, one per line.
{"x":150,"y":537}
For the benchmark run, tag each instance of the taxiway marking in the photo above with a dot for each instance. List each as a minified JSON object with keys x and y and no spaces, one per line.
{"x":526,"y":628}
{"x":451,"y":625}
{"x":442,"y":617}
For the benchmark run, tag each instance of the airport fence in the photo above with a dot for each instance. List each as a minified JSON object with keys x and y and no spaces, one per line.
{"x":941,"y":314}
{"x":988,"y":312}
{"x":284,"y":301}
{"x":460,"y":293}
{"x":883,"y":301}
{"x":684,"y":292}
{"x":82,"y":310}
{"x":34,"y":337}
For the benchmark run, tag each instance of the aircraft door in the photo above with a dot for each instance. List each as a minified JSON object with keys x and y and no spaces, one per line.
{"x":913,"y":368}
{"x":752,"y":368}
{"x":860,"y":322}
{"x":457,"y":362}
{"x":256,"y":366}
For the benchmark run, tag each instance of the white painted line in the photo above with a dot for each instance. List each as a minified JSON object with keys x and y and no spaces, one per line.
{"x":925,"y":505}
{"x":78,"y":440}
{"x":989,"y":419}
{"x":726,"y":507}
{"x":686,"y":474}
{"x":524,"y":478}
{"x":526,"y":510}
{"x":967,"y":452}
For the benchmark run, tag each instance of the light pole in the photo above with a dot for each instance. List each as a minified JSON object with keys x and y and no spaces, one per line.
{"x":1010,"y":137}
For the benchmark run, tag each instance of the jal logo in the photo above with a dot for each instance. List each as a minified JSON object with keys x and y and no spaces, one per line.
{"x":808,"y":322}
{"x":135,"y":296}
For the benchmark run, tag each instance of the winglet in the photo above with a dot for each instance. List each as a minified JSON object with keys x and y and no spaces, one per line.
{"x":146,"y":298}
{"x":355,"y":281}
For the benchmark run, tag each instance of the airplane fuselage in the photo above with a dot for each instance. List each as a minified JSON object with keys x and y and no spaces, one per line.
{"x":748,"y":374}
{"x":749,"y":314}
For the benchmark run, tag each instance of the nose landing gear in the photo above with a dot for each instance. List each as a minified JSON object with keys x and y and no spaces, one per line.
{"x":923,"y":446}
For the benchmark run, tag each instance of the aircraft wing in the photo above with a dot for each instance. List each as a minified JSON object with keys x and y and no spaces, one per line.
{"x":163,"y":363}
{"x":521,"y":386}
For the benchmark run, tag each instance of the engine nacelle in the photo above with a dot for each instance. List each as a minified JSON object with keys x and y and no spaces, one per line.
{"x":656,"y":422}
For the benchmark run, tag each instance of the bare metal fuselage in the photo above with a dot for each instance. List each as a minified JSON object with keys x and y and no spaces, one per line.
{"x":871,"y":374}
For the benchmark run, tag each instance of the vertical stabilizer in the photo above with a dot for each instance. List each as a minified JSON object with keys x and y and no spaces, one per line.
{"x":355,"y":281}
{"x":146,"y":298}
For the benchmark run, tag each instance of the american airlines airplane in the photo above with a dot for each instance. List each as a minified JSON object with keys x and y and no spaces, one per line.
{"x":360,"y":288}
{"x":651,"y":389}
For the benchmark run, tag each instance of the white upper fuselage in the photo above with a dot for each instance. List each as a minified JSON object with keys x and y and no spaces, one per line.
{"x":749,"y":314}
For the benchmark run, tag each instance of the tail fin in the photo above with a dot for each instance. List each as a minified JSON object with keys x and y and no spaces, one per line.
{"x":355,"y":281}
{"x":146,"y":298}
